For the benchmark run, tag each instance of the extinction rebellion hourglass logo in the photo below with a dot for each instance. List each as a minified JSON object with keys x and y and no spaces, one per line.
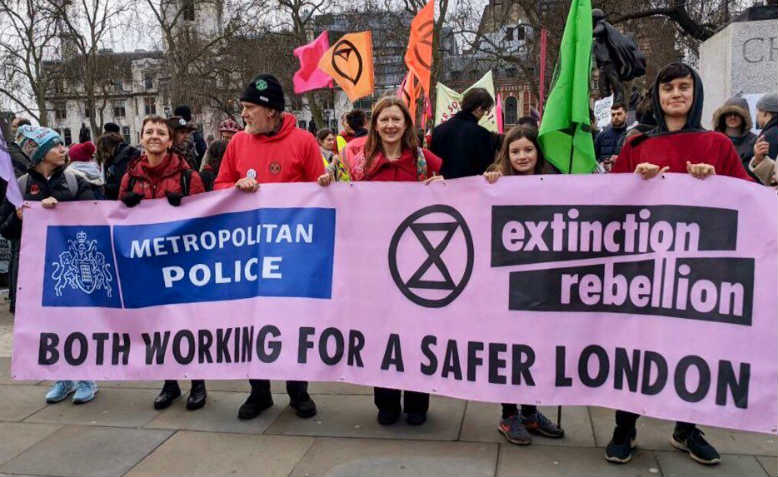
{"x":431,"y":256}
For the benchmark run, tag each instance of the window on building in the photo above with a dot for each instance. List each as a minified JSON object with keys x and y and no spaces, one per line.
{"x":302,"y":124}
{"x":508,"y":34}
{"x":67,"y":136}
{"x":188,"y":10}
{"x":60,"y":111}
{"x":118,"y":109}
{"x":87,"y":111}
{"x":148,"y":81}
{"x":526,"y":104}
{"x":511,"y":72}
{"x":473,"y":74}
{"x":365,"y":104}
{"x":149,"y":105}
{"x":521,"y":33}
{"x":456,"y":75}
{"x":126,"y":134}
{"x":511,"y":110}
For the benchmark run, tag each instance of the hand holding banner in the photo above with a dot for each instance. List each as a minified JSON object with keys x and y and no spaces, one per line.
{"x":350,"y":63}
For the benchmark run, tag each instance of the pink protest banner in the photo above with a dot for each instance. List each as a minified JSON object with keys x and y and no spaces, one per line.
{"x":657,"y":297}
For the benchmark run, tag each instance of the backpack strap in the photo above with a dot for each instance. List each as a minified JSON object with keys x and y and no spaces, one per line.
{"x":72,"y":182}
{"x":421,"y":165}
{"x":186,"y":178}
{"x":23,"y":182}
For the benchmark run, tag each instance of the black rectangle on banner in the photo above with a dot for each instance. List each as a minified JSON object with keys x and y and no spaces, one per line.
{"x":708,"y":289}
{"x":539,"y":233}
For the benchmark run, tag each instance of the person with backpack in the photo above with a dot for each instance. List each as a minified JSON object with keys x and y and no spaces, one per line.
{"x":49,"y":182}
{"x":391,"y":153}
{"x":520,"y":155}
{"x":162,"y":173}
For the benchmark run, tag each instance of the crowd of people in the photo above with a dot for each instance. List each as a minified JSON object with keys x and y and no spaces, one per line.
{"x":173,"y":162}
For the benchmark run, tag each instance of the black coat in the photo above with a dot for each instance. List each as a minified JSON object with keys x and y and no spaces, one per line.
{"x":38,"y":188}
{"x":123,"y":156}
{"x":770,"y":133}
{"x":466,"y":148}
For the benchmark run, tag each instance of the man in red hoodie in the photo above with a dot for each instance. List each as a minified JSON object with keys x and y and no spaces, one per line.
{"x":271,"y":148}
{"x":677,"y":144}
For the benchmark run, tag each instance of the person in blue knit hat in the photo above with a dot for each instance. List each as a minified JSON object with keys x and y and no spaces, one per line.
{"x":49,"y":182}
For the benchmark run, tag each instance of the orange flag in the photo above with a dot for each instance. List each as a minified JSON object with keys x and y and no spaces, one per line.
{"x":418,"y":57}
{"x":350,"y":63}
{"x":409,"y":92}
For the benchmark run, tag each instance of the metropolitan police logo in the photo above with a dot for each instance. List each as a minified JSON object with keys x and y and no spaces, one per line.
{"x":82,"y":267}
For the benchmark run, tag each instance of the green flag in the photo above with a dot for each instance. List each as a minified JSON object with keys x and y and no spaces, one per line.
{"x":565,"y":133}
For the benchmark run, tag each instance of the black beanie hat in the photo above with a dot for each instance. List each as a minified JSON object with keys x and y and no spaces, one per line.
{"x":111,"y":127}
{"x":184,"y":111}
{"x":264,"y":90}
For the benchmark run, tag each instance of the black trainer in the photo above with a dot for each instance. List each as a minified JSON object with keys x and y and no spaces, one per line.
{"x":699,"y":449}
{"x":304,"y":408}
{"x":621,"y":446}
{"x":254,"y":405}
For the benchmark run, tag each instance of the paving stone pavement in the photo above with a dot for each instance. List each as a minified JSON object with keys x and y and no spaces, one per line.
{"x":120,"y":433}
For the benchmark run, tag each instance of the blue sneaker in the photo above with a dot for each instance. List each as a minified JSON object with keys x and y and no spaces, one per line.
{"x":60,"y":391}
{"x":85,"y":392}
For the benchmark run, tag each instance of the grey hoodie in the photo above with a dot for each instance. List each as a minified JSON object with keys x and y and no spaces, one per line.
{"x":90,"y":171}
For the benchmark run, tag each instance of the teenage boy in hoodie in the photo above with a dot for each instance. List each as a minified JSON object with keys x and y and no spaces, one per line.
{"x":271,"y":148}
{"x":677,"y":144}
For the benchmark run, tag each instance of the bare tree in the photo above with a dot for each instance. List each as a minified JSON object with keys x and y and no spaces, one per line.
{"x":84,"y":26}
{"x":27,"y":41}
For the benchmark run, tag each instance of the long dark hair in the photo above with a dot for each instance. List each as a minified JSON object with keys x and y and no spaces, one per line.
{"x":503,"y":162}
{"x":373,"y":144}
{"x":214,"y":154}
{"x":106,"y":148}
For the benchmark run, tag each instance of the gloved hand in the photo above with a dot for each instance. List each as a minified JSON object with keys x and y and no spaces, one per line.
{"x":131,"y":199}
{"x":173,"y":198}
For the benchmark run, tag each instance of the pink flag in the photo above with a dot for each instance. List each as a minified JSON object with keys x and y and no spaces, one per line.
{"x":12,"y":192}
{"x":498,"y":113}
{"x":309,"y":76}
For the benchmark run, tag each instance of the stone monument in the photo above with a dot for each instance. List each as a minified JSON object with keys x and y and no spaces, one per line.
{"x":741,"y":59}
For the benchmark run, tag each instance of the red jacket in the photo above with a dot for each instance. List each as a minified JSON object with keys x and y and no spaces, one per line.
{"x":155,"y":182}
{"x":400,"y":170}
{"x":292,"y":155}
{"x":675,"y":149}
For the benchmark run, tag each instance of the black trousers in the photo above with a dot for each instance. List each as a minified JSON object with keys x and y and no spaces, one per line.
{"x":13,"y":273}
{"x":297,"y":390}
{"x":173,"y":382}
{"x":509,"y":410}
{"x":413,"y":402}
{"x":627,"y":420}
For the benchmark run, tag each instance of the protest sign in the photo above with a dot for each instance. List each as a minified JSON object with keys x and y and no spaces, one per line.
{"x":602,"y":111}
{"x":657,"y":297}
{"x":449,"y":102}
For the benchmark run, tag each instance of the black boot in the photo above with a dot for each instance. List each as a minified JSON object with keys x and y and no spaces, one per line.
{"x":259,"y":399}
{"x":197,"y":395}
{"x":170,"y":392}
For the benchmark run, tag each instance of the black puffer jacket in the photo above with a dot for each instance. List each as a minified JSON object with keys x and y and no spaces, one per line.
{"x":38,"y":188}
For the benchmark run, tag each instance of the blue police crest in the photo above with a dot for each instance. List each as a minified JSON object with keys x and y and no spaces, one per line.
{"x":82,"y":267}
